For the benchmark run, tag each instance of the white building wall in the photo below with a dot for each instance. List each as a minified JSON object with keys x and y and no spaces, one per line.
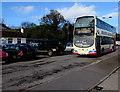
{"x":3,"y":40}
{"x":23,"y":40}
{"x":14,"y":40}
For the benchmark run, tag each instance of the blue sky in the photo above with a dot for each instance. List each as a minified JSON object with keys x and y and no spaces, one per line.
{"x":14,"y":13}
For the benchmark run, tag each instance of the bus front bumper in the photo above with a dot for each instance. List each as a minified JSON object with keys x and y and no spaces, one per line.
{"x":89,"y":53}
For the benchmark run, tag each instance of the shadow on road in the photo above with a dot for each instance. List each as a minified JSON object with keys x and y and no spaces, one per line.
{"x":94,"y":56}
{"x":11,"y":60}
{"x":38,"y":57}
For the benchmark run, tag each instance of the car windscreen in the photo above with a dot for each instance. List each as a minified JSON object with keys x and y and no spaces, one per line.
{"x":12,"y":47}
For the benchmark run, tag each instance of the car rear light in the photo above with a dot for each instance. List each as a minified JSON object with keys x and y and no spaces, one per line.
{"x":20,"y":53}
{"x":4,"y":54}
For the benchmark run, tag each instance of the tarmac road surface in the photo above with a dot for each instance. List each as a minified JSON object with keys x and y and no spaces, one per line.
{"x":83,"y":79}
{"x":66,"y":72}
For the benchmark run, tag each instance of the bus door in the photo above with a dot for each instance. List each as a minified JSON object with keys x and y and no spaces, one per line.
{"x":98,"y":44}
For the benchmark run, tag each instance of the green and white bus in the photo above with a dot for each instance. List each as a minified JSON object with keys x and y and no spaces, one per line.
{"x":92,"y":36}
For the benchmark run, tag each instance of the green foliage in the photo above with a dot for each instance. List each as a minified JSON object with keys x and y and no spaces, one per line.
{"x":67,"y":32}
{"x":12,"y":30}
{"x":46,"y":32}
{"x":42,"y":31}
{"x":54,"y":20}
{"x":27,"y":24}
{"x":52,"y":26}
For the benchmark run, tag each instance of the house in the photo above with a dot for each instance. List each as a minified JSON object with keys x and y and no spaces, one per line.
{"x":11,"y":35}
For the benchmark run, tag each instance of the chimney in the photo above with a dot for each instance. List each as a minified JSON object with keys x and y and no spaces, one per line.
{"x":22,"y":30}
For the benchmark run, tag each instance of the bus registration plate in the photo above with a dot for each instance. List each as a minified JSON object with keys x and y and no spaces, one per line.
{"x":82,"y":53}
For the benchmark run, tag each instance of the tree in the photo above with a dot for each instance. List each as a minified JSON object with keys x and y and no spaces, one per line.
{"x":52,"y":26}
{"x":55,"y":19}
{"x":67,"y":31}
{"x":27,"y":24}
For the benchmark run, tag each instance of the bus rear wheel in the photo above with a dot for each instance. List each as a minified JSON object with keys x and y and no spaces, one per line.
{"x":113,"y":49}
{"x":103,"y":51}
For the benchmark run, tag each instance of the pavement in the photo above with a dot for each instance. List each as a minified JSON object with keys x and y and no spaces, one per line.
{"x":110,"y":82}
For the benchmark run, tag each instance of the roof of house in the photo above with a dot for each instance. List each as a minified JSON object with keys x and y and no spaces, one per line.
{"x":3,"y":26}
{"x":11,"y":34}
{"x":7,"y":32}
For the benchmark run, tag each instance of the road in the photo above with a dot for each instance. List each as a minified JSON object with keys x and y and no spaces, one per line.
{"x":65,"y":72}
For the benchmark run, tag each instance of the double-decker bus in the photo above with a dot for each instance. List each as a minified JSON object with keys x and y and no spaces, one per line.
{"x":92,"y":36}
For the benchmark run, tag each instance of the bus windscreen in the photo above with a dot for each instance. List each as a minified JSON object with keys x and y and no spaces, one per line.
{"x":84,"y":22}
{"x":84,"y":32}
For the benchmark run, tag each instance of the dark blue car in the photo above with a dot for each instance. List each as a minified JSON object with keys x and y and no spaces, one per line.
{"x":19,"y":51}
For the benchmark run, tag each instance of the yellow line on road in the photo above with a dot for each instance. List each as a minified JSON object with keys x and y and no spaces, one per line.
{"x":98,"y":61}
{"x":110,"y":57}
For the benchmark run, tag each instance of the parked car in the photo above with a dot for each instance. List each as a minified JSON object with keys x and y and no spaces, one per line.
{"x":69,"y":47}
{"x":3,"y":56}
{"x":117,"y":43}
{"x":19,"y":51}
{"x":34,"y":45}
{"x":50,"y":47}
{"x":27,"y":45}
{"x":6,"y":45}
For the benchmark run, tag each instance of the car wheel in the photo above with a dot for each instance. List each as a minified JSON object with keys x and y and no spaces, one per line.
{"x":50,"y":52}
{"x":113,"y":48}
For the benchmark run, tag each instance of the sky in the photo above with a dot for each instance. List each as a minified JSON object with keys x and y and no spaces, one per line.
{"x":14,"y":13}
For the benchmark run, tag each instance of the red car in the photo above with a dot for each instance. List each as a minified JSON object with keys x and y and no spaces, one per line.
{"x":3,"y":56}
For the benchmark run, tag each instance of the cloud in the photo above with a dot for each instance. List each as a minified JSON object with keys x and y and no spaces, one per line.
{"x":114,"y":14}
{"x":23,"y":9}
{"x":47,"y":10}
{"x":116,"y":9}
{"x":77,"y":10}
{"x":36,"y":17}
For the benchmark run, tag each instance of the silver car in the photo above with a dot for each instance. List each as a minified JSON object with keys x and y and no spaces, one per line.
{"x":69,"y":47}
